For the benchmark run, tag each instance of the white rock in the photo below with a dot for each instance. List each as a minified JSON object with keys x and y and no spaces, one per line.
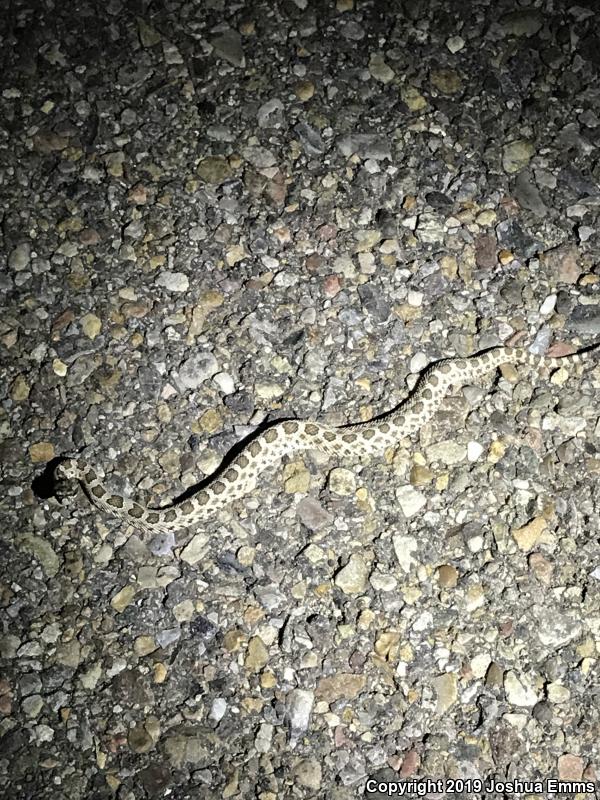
{"x":342,"y":481}
{"x":218,"y":709}
{"x":548,"y":305}
{"x":173,"y":281}
{"x":352,"y":579}
{"x":415,"y":299}
{"x":455,"y":43}
{"x":269,"y":391}
{"x":43,"y":733}
{"x":225,"y":382}
{"x":423,"y":621}
{"x":480,"y":664}
{"x":299,"y":707}
{"x":411,"y":501}
{"x":518,"y":691}
{"x":475,"y":543}
{"x":474,"y":450}
{"x":196,"y":369}
{"x":264,"y":738}
{"x":418,"y":362}
{"x":382,"y":582}
{"x":404,"y":547}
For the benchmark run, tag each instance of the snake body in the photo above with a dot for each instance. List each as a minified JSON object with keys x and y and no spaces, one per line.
{"x":353,"y":443}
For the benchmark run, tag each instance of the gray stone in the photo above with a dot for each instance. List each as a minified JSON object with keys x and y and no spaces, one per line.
{"x":270,"y":113}
{"x":527,"y":194}
{"x":162,"y":544}
{"x":448,"y":452}
{"x":517,"y":155}
{"x":167,"y":637}
{"x":264,"y":738}
{"x":555,"y":629}
{"x":259,"y":157}
{"x":195,"y":549}
{"x":229,"y":47}
{"x":32,"y":706}
{"x":524,"y":22}
{"x":312,"y":514}
{"x":42,"y":551}
{"x":197,"y":369}
{"x":374,"y":302}
{"x":30,"y":684}
{"x":308,"y":773}
{"x":310,"y":139}
{"x":512,"y":237}
{"x":299,"y":706}
{"x":585,"y":319}
{"x":20,"y":257}
{"x":186,"y":749}
{"x":365,"y":145}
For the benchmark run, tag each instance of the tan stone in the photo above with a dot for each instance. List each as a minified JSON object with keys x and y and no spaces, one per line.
{"x":528,"y":536}
{"x":257,"y":654}
{"x":123,"y":598}
{"x":41,"y":452}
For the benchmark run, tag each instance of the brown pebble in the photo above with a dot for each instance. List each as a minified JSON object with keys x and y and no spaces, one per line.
{"x":447,"y":576}
{"x":494,"y":676}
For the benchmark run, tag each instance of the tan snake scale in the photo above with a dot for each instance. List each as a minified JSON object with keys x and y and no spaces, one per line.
{"x":349,"y":442}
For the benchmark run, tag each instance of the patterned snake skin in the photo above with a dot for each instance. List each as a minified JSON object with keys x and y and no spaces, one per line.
{"x":350,"y":442}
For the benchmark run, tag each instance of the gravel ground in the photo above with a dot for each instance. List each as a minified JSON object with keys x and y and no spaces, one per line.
{"x":216,"y":213}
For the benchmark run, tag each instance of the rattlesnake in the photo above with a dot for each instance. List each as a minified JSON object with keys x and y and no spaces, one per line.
{"x":353,"y":443}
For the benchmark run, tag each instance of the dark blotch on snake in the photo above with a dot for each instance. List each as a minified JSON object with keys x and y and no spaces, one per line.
{"x":136,"y":511}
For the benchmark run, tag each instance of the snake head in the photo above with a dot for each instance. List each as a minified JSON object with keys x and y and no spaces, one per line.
{"x":67,"y":470}
{"x":66,"y":475}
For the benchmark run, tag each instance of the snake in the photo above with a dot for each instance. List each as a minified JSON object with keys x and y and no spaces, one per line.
{"x":353,"y":442}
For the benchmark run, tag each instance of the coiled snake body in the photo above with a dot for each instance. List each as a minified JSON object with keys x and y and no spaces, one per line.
{"x":351,"y":442}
